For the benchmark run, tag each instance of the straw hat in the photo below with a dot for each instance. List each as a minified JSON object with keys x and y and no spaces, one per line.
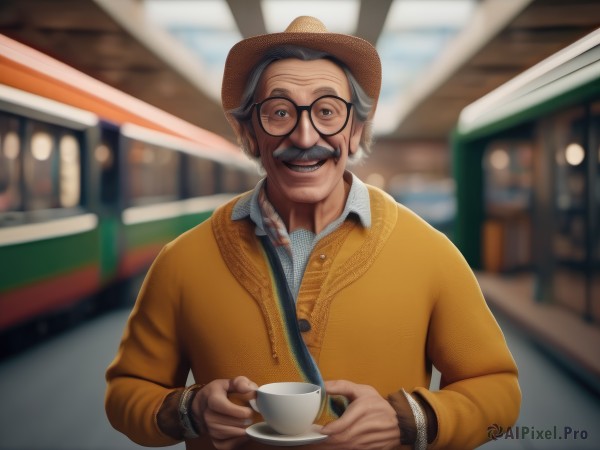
{"x":305,"y":31}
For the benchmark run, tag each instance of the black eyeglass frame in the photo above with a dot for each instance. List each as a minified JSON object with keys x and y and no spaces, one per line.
{"x":299,"y":110}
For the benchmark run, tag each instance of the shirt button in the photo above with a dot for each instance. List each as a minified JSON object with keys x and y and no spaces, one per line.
{"x":304,"y":325}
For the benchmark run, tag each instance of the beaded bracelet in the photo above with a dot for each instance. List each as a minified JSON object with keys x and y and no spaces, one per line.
{"x":189,"y":431}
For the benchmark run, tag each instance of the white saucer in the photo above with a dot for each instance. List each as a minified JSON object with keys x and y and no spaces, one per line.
{"x":265,"y":434}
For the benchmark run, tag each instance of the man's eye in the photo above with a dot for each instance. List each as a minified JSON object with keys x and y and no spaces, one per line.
{"x":281,"y":113}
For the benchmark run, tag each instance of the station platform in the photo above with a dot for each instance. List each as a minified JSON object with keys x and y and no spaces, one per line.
{"x":566,"y":336}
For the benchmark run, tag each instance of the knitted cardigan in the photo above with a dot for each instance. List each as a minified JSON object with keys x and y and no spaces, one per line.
{"x":383,"y":304}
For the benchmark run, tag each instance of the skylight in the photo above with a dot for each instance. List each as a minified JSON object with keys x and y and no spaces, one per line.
{"x":339,"y":16}
{"x":415,"y":34}
{"x":206,"y":27}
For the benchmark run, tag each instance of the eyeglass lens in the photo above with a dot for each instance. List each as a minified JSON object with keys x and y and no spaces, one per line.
{"x":279,"y":116}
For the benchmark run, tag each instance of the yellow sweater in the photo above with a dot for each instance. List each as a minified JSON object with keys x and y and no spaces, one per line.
{"x":383,"y":303}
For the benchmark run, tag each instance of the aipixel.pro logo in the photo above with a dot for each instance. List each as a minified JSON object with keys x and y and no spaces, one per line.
{"x":495,"y":432}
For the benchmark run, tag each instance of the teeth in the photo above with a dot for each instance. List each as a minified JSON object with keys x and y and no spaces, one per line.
{"x":305,"y":168}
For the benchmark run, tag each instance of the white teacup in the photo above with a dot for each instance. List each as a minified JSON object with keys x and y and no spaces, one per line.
{"x":289,"y":408}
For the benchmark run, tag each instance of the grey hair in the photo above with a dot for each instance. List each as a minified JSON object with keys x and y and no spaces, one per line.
{"x":361,"y":102}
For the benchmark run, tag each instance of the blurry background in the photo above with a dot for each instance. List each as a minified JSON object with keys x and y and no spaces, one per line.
{"x":508,"y":171}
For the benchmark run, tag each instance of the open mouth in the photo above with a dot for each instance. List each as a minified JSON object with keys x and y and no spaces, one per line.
{"x":303,"y":168}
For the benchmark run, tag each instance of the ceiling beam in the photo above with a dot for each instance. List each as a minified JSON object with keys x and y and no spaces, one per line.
{"x":488,"y":21}
{"x":371,"y":19}
{"x":248,"y":17}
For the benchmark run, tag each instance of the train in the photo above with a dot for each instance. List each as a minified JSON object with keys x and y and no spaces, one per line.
{"x":526,"y":165}
{"x":93,"y":183}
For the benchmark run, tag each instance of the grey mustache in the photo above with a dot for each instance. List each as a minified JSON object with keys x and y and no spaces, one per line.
{"x":300,"y":154}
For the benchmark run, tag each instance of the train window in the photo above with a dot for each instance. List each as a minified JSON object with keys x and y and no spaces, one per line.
{"x":201,"y":177}
{"x":41,"y":164}
{"x":10,"y":165}
{"x":508,"y":167}
{"x":570,"y":185}
{"x":39,"y":172}
{"x":508,"y":193}
{"x":569,"y":240}
{"x":51,"y":168}
{"x":153,"y":175}
{"x":70,"y":186}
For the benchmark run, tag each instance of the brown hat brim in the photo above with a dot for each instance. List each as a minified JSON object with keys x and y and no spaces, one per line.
{"x":358,"y":55}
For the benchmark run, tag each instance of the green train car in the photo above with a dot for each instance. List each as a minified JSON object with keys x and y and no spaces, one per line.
{"x":526,"y":166}
{"x":93,"y":183}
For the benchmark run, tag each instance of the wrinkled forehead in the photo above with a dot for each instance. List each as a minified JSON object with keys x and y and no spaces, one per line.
{"x":303,"y":80}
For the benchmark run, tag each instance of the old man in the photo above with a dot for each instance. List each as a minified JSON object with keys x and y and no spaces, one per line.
{"x":312,"y":276}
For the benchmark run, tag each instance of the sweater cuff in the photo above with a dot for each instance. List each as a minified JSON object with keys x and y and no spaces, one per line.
{"x":167,"y":418}
{"x":406,"y":419}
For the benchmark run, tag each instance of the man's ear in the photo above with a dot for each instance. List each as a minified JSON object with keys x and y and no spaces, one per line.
{"x":356,"y":135}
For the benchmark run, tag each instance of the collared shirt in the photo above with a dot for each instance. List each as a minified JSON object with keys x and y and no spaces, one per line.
{"x":294,"y":249}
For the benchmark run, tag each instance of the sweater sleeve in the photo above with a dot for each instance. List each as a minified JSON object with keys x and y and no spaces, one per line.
{"x":479,"y":385}
{"x":149,"y":363}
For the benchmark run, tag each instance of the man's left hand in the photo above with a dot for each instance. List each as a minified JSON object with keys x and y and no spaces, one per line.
{"x":369,"y":422}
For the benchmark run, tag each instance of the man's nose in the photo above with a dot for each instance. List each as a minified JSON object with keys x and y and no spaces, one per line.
{"x":304,"y":135}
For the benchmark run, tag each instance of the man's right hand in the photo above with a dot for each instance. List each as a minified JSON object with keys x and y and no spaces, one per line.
{"x":220,"y":418}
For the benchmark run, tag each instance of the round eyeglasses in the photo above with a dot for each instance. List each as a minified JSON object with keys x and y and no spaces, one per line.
{"x":279,"y":116}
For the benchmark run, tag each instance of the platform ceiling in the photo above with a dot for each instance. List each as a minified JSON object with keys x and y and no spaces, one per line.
{"x":109,"y":40}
